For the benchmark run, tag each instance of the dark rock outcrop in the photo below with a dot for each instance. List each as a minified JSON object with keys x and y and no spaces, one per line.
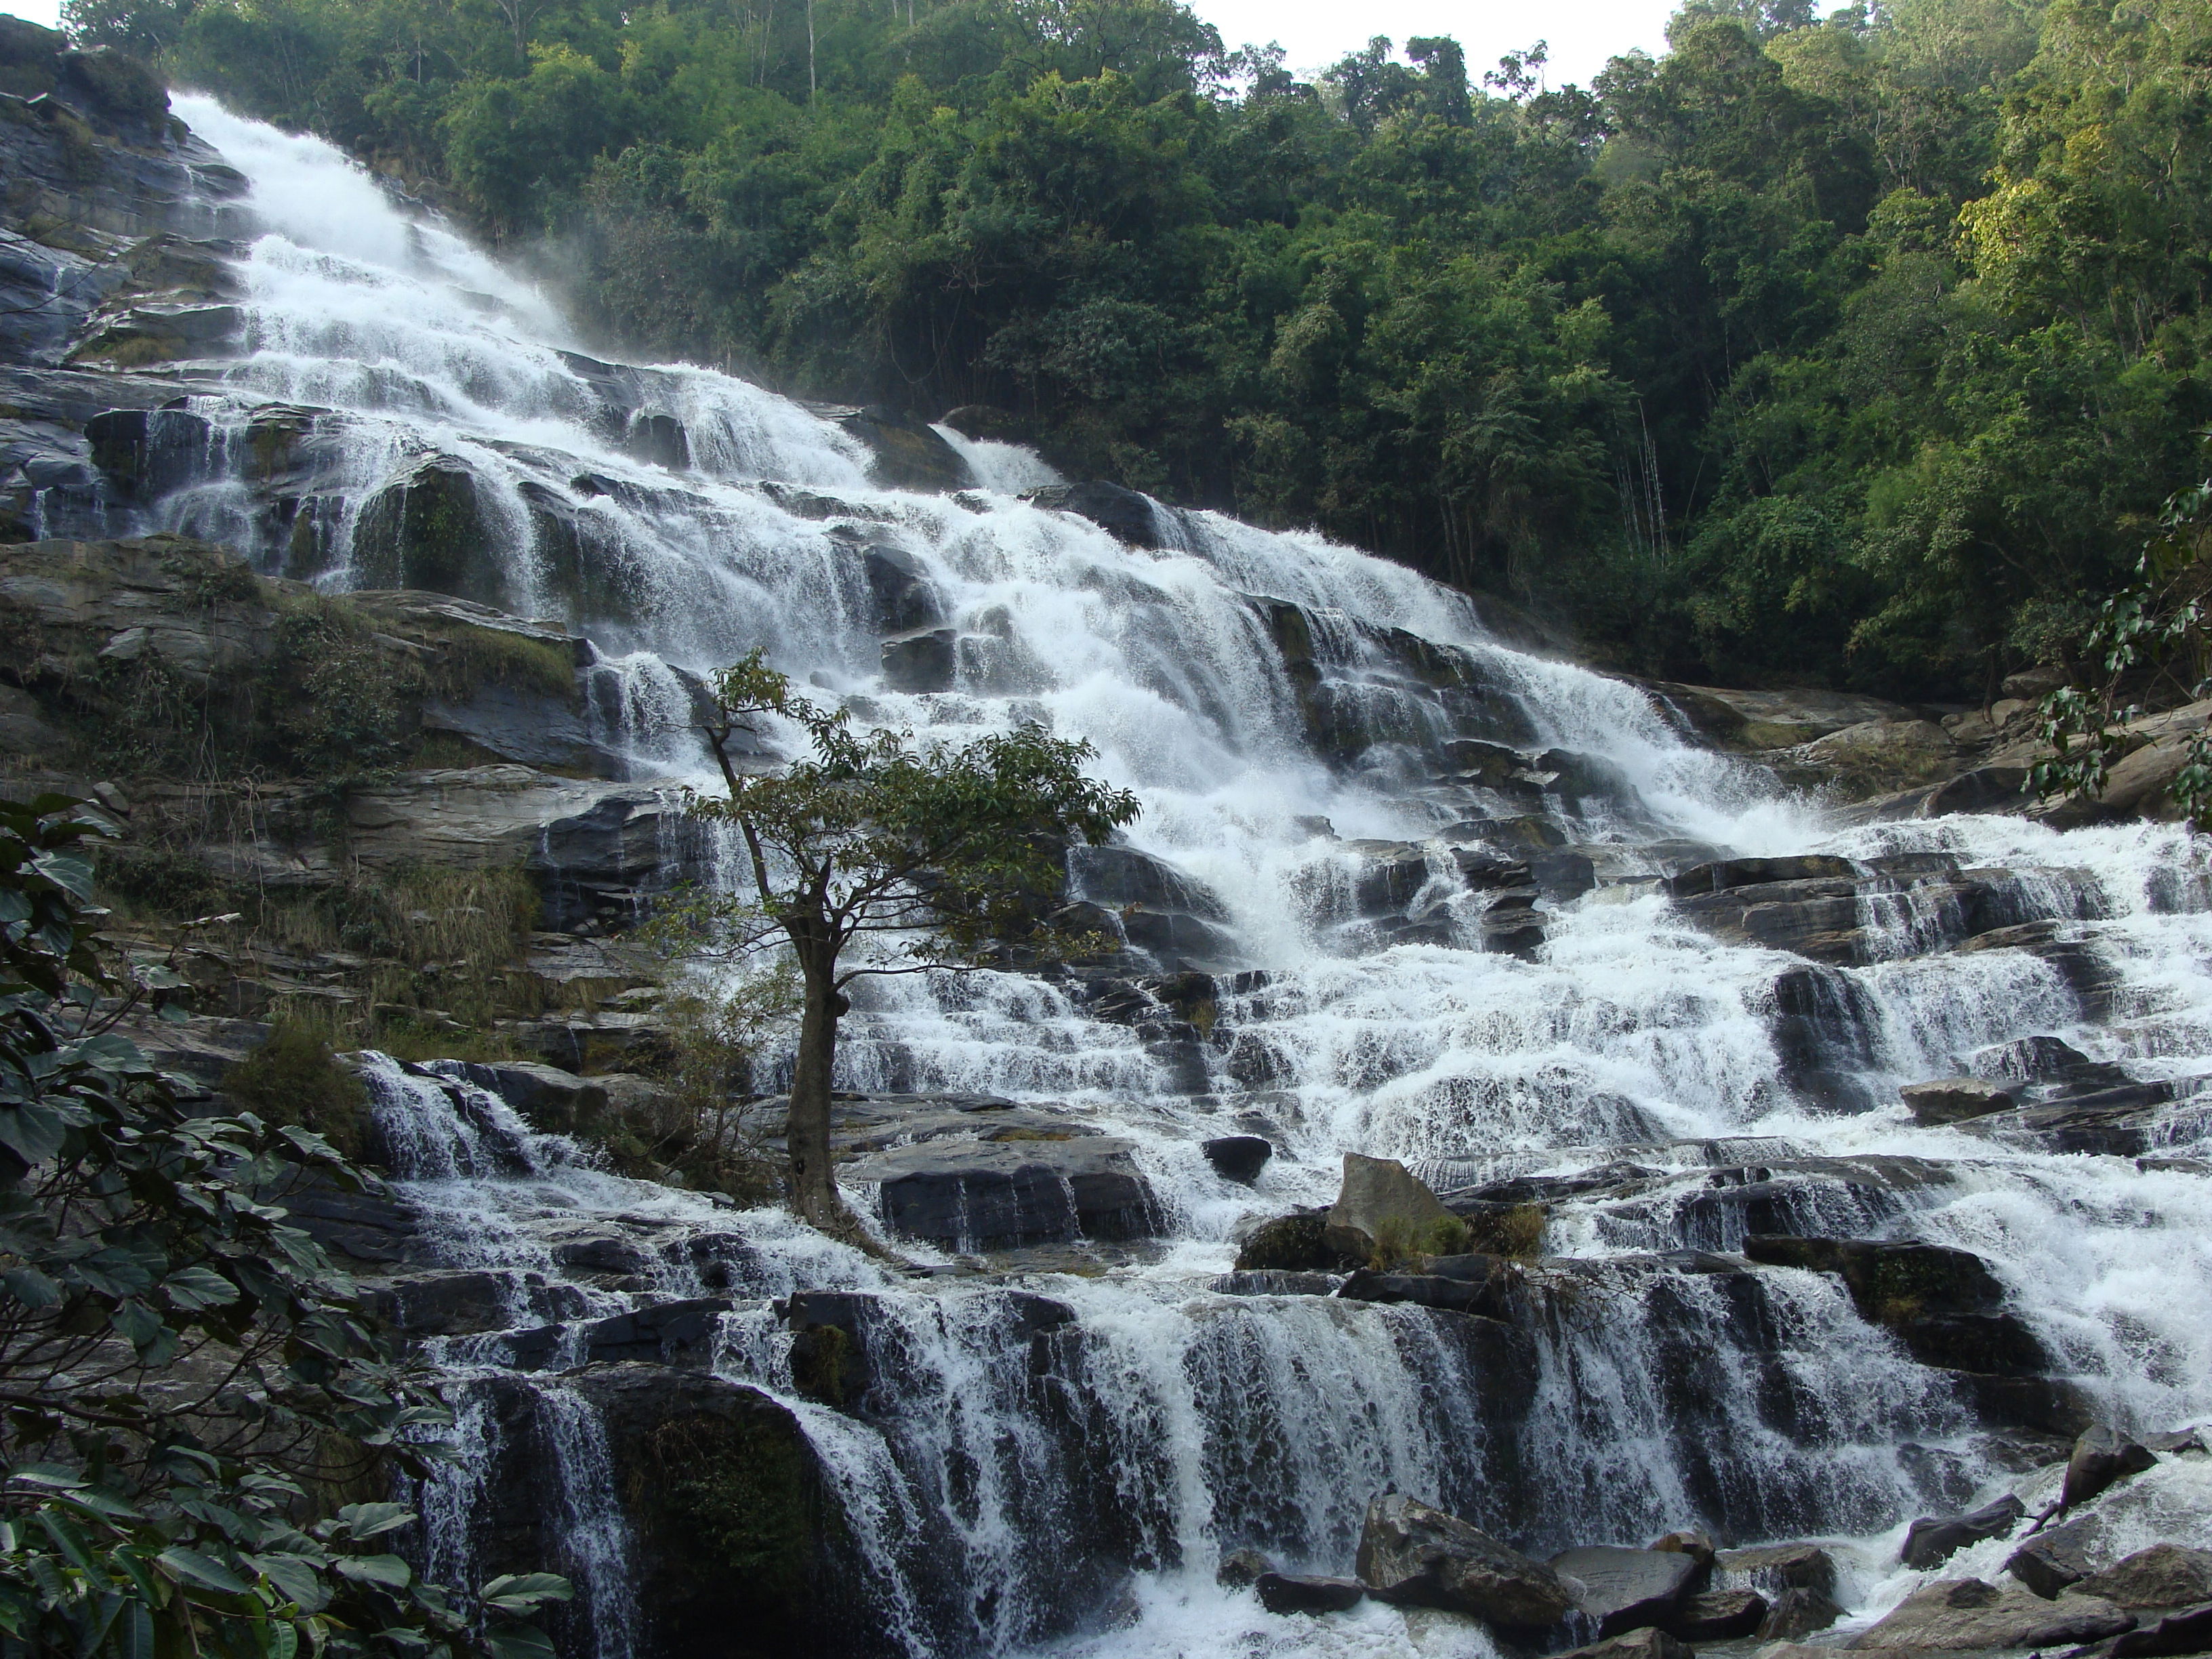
{"x":1286,"y":1593}
{"x":2102,"y":1458}
{"x":1626,"y":1589}
{"x":1416,"y":1555}
{"x":1930,"y":1542}
{"x":1121,"y":514}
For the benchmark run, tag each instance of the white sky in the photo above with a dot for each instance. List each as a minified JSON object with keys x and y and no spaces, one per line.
{"x":1581,"y":33}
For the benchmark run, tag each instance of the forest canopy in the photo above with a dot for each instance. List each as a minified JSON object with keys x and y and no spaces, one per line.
{"x":1858,"y":349}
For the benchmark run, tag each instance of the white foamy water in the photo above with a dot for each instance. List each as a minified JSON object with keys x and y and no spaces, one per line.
{"x":1177,"y":1424}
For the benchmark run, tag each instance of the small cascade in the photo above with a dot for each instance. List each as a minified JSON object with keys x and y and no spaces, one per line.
{"x":591,"y":1538}
{"x":1399,"y":889}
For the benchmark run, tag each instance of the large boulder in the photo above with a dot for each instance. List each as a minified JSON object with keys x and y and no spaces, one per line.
{"x":1287,"y":1593}
{"x":988,"y":1195}
{"x":1414,"y":1555}
{"x":1775,"y":1568}
{"x":1380,"y":1202}
{"x":1625,"y":1589}
{"x":2054,"y":1560}
{"x":1644,"y":1644}
{"x":1718,"y":1616}
{"x":1121,"y":514}
{"x":427,"y":529}
{"x":1955,"y":1614}
{"x":1954,"y":1099}
{"x":1874,"y":758}
{"x":2102,"y":1457}
{"x":740,"y":1543}
{"x":2163,"y":1575}
{"x":1930,"y":1542}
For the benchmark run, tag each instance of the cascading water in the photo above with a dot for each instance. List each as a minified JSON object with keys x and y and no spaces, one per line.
{"x":1279,"y":703}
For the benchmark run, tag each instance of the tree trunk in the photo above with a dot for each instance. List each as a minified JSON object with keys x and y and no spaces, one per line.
{"x":806,"y":1128}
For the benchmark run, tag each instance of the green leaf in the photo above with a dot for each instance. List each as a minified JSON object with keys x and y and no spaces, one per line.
{"x":519,"y":1642}
{"x":374,"y":1520}
{"x":193,"y":1568}
{"x":388,"y":1571}
{"x":31,"y":1287}
{"x":198,"y":1287}
{"x":526,"y":1592}
{"x":297,"y":1579}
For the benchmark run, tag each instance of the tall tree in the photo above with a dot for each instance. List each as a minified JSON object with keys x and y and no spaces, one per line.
{"x":933,"y":852}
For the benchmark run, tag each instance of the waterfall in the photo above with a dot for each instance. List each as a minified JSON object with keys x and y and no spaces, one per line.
{"x":1336,"y":760}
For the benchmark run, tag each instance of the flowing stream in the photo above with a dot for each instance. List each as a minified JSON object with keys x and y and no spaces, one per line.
{"x":1275,"y":700}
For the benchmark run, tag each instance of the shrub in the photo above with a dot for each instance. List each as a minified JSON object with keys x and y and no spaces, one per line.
{"x":294,"y":1079}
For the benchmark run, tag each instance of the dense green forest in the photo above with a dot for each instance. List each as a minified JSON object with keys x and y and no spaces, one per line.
{"x":1857,"y":349}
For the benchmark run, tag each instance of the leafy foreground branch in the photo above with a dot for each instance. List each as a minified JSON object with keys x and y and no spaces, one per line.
{"x":186,"y":1381}
{"x":939,"y":850}
{"x":2150,"y":642}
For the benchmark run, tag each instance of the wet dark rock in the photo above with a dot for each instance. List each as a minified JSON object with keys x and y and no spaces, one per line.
{"x":1889,"y":1281}
{"x":1726,"y":873}
{"x":2163,"y":1575}
{"x":1414,"y":1555}
{"x":989,"y":1196}
{"x":905,"y":598}
{"x":1484,"y":1285}
{"x":1563,"y":876}
{"x":366,"y":1226}
{"x":906,"y":453}
{"x":428,"y":530}
{"x":2188,"y":1631}
{"x":1118,"y":876}
{"x":2044,"y":1405}
{"x":1955,"y":1613}
{"x":1952,"y":1100}
{"x":2093,"y":980}
{"x":1644,"y":1644}
{"x":921,"y":662}
{"x":1238,"y":1157}
{"x":659,"y":439}
{"x":550,"y":1099}
{"x":1799,"y":1611}
{"x":2102,"y":1458}
{"x":603,"y":1253}
{"x":2125,"y":1121}
{"x":1775,"y":1568}
{"x":1240,"y":1568}
{"x":1295,"y":1244}
{"x":1718,"y":1616}
{"x":1626,"y":1589}
{"x":600,"y":866}
{"x":1122,"y":514}
{"x":1929,"y":1541}
{"x":1274,"y":1281}
{"x":1391,"y":874}
{"x":677,"y":1333}
{"x":2045,"y":1059}
{"x":448,"y":1303}
{"x":829,"y":1345}
{"x":1287,"y":1593}
{"x":736,"y":1527}
{"x":2056,"y":1559}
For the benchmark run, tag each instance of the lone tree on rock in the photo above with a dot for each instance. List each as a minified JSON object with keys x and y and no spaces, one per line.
{"x":941,"y":847}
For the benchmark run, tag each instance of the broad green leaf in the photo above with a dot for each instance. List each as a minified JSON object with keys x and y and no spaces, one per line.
{"x":526,"y":1592}
{"x":374,"y":1520}
{"x":193,"y":1568}
{"x":519,"y":1642}
{"x":388,"y":1571}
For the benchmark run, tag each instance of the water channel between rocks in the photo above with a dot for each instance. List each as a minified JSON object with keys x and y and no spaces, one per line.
{"x":1053,"y":1443}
